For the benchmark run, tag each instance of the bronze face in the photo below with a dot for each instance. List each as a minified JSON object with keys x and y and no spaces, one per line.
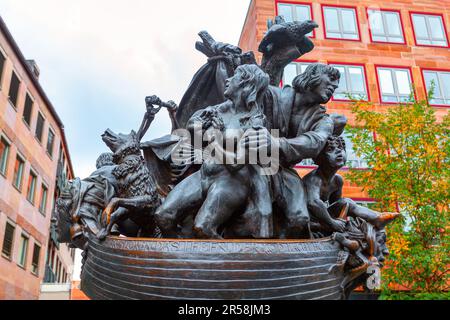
{"x":232,"y":86}
{"x":325,"y":90}
{"x":335,"y":155}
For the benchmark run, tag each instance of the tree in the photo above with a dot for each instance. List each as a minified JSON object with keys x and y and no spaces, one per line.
{"x":407,"y":151}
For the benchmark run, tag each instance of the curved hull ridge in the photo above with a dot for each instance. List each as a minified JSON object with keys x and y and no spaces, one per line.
{"x":122,"y":268}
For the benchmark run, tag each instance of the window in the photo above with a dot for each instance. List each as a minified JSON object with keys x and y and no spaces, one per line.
{"x":36,"y":256}
{"x":352,"y":82}
{"x":2,"y":65}
{"x":385,"y":26}
{"x":32,"y":178}
{"x":14,"y":89}
{"x":8,"y":240}
{"x":50,"y":141}
{"x":43,"y":201}
{"x":429,"y":30}
{"x":395,"y":84}
{"x":307,"y":163}
{"x":58,"y":270}
{"x":441,"y":81}
{"x":292,"y":70}
{"x":28,"y":108}
{"x":340,"y":23}
{"x":23,"y":251}
{"x":39,"y":126}
{"x":365,"y":203}
{"x":295,"y":12}
{"x":18,"y":172}
{"x":52,"y":258}
{"x":353,"y":160}
{"x":4,"y":154}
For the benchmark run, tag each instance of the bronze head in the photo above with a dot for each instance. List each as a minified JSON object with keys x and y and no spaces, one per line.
{"x":333,"y":155}
{"x":249,"y":83}
{"x":319,"y":81}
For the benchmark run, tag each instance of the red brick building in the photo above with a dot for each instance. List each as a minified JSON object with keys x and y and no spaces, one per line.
{"x":382,"y":48}
{"x":34,"y":163}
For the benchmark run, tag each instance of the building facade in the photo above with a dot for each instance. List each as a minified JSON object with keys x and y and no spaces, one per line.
{"x":383,"y":49}
{"x":32,"y":149}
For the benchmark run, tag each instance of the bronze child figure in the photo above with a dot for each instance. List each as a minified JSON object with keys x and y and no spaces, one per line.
{"x":324,"y":186}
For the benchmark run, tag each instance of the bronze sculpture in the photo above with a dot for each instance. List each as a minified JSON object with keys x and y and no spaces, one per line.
{"x":224,"y":178}
{"x":325,"y":185}
{"x":231,"y":182}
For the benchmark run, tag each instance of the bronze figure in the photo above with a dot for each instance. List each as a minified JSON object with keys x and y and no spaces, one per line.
{"x":218,"y":191}
{"x":222,"y":185}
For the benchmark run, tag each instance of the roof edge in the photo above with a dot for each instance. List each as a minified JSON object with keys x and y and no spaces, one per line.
{"x":245,"y":21}
{"x":4,"y":29}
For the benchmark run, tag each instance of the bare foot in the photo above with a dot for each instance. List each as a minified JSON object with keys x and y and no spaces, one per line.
{"x":384,"y":218}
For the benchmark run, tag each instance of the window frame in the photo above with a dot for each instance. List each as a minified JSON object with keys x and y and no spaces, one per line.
{"x":20,"y":186}
{"x":5,"y":138}
{"x":43,"y":127}
{"x":347,"y":167}
{"x":386,"y":10}
{"x":36,"y":244}
{"x":44,"y":209}
{"x":344,"y":168}
{"x":364,"y":200}
{"x":313,"y":36}
{"x":411,"y":78}
{"x":298,"y":61}
{"x":2,"y":71}
{"x":422,"y":70}
{"x":350,"y":64}
{"x":358,"y":28}
{"x":411,"y":13}
{"x":33,"y":101}
{"x":50,"y":154}
{"x":14,"y":105}
{"x":309,"y":164}
{"x":11,"y":253}
{"x":19,"y":255}
{"x":32,"y":173}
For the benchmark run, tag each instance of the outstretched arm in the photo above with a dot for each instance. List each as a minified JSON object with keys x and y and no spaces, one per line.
{"x":149,"y":115}
{"x":172,"y":108}
{"x":306,"y":145}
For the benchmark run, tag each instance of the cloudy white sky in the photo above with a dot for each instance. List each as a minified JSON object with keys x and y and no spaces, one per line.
{"x":99,"y":59}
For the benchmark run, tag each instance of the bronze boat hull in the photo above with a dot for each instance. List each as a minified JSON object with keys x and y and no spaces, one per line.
{"x":122,"y":268}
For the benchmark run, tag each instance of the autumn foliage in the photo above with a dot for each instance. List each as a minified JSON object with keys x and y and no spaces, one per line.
{"x":407,"y":151}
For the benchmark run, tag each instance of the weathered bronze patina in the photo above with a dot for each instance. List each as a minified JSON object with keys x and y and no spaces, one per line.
{"x":165,"y":219}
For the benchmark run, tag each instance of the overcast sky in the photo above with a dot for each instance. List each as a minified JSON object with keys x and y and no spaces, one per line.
{"x":99,"y":59}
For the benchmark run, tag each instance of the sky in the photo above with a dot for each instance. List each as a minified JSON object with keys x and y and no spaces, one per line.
{"x":100,"y":59}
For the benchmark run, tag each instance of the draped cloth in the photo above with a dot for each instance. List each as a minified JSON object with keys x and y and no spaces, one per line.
{"x":206,"y":88}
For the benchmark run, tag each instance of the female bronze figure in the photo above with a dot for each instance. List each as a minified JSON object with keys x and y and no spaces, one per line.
{"x":226,"y":184}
